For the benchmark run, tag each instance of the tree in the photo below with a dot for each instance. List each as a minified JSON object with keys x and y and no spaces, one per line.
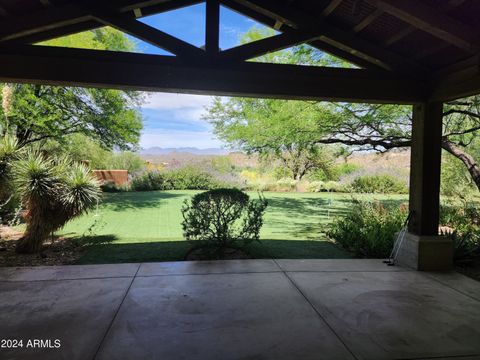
{"x":259,"y":125}
{"x":54,"y":191}
{"x":34,"y":113}
{"x":274,"y":129}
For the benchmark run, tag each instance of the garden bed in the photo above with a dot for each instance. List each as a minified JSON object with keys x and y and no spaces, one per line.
{"x":56,"y":251}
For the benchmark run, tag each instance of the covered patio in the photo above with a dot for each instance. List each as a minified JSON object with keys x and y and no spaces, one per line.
{"x":240,"y":309}
{"x":422,"y":53}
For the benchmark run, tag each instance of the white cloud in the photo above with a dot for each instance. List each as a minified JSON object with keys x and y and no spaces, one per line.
{"x":179,"y":138}
{"x":168,"y":101}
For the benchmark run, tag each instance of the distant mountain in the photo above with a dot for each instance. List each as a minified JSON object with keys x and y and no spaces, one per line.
{"x":184,"y":150}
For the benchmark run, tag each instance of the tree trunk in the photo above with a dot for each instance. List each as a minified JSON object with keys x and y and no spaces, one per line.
{"x":32,"y":241}
{"x":468,"y":160}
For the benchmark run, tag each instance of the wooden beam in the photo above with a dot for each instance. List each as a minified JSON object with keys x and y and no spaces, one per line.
{"x":458,"y":80}
{"x":368,"y":20}
{"x":212,"y":27}
{"x":104,"y":69}
{"x":346,"y":55}
{"x":348,"y":39}
{"x":148,"y":34}
{"x":331,"y":7}
{"x":400,"y":35}
{"x":44,"y":23}
{"x":318,"y":44}
{"x":443,"y":8}
{"x":54,"y":33}
{"x":267,"y":45}
{"x":150,"y":7}
{"x":428,"y":19}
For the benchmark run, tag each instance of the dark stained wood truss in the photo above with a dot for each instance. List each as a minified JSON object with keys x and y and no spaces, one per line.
{"x":387,"y":72}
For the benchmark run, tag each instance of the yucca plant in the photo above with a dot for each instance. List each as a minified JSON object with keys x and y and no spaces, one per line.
{"x":9,"y":152}
{"x":53,"y":192}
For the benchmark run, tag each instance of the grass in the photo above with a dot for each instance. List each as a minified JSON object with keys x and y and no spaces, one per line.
{"x":146,"y":226}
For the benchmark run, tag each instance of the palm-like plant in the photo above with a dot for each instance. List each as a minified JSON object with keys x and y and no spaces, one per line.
{"x":9,"y":152}
{"x":53,"y":192}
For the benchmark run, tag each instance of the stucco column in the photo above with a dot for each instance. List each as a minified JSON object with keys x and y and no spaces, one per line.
{"x":422,"y":248}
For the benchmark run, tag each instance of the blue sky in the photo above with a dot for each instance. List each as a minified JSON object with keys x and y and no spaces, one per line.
{"x":175,"y":120}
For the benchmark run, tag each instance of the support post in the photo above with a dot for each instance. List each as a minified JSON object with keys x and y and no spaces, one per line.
{"x":212,"y":27}
{"x":423,"y":248}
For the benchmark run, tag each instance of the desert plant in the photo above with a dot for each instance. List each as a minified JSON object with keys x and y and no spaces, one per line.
{"x":379,"y":184}
{"x":111,"y":187}
{"x":460,"y":221}
{"x":368,"y":229}
{"x":191,"y":178}
{"x":149,"y":181}
{"x":326,"y":186}
{"x":222,"y":218}
{"x":53,"y":192}
{"x":9,"y":152}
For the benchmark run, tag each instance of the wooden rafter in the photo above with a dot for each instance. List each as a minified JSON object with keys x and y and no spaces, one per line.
{"x":45,"y":24}
{"x":267,"y":45}
{"x":105,"y":69}
{"x":349,"y":41}
{"x":147,"y":33}
{"x":428,"y":19}
{"x":443,"y":8}
{"x":368,"y":20}
{"x":319,"y":44}
{"x":212,"y":27}
{"x":331,"y":7}
{"x":457,"y":80}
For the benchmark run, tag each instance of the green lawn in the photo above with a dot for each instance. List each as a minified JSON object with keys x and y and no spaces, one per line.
{"x":146,"y":226}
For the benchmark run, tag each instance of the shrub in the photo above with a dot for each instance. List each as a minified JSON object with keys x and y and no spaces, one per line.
{"x":111,"y":187}
{"x":286,"y":184}
{"x":149,"y":181}
{"x":379,"y":184}
{"x":462,"y":220}
{"x":326,"y":186}
{"x":222,"y":218}
{"x":368,"y":229}
{"x":53,"y":193}
{"x":190,"y":178}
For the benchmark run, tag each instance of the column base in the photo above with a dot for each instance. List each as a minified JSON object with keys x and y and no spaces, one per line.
{"x":426,"y":253}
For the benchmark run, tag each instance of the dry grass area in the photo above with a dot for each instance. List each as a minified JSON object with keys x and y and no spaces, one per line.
{"x":57,"y":251}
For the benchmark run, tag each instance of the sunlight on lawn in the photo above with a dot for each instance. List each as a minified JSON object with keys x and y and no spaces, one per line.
{"x":155,"y":216}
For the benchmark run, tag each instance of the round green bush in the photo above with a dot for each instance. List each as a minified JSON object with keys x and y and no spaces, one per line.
{"x":379,"y":184}
{"x":220,"y":219}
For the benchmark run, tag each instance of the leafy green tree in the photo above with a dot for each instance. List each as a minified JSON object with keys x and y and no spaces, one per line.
{"x":271,"y":126}
{"x":81,"y":148}
{"x":33,"y":113}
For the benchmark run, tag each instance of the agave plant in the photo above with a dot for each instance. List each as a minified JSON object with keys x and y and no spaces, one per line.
{"x":53,"y":193}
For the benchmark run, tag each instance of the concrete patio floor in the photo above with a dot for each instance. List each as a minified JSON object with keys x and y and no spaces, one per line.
{"x":240,"y":309}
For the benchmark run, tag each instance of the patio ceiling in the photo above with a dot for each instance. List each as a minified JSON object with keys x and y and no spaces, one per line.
{"x":407,"y":51}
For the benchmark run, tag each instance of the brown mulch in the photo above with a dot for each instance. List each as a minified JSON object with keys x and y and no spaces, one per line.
{"x":56,"y":251}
